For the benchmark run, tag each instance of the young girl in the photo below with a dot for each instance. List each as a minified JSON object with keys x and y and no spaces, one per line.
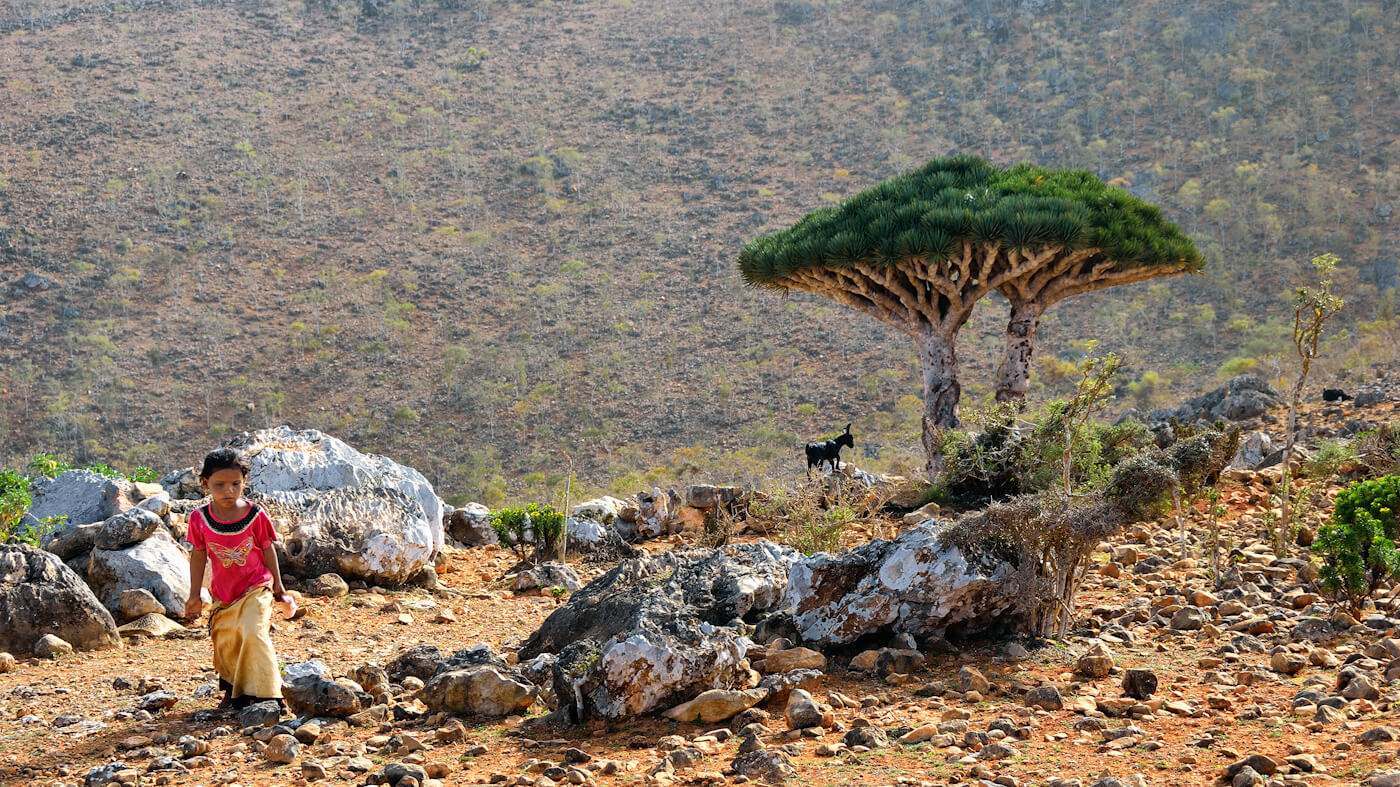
{"x":245,"y":580}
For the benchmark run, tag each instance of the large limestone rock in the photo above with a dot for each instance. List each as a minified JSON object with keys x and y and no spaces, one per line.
{"x":156,"y":565}
{"x":81,"y":495}
{"x":657,"y":631}
{"x":338,"y":510}
{"x":39,"y":596}
{"x":911,"y":585}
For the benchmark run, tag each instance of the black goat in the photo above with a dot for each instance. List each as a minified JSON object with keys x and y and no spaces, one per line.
{"x":829,"y":451}
{"x":1335,"y":395}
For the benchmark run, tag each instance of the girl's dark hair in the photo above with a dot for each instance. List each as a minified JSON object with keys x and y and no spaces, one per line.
{"x":223,"y":459}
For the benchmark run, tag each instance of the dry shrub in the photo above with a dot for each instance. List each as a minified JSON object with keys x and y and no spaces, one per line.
{"x":816,"y":515}
{"x":1050,"y":535}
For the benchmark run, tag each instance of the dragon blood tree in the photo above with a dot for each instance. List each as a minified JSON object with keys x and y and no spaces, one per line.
{"x":919,"y":250}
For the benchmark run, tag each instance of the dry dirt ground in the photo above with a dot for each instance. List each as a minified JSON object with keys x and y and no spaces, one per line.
{"x":1227,"y":706}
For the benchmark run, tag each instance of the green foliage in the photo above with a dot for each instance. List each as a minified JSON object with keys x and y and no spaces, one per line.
{"x":1059,"y":443}
{"x":14,"y":501}
{"x":1331,"y":457}
{"x":530,"y":532}
{"x":928,"y":213}
{"x":143,"y":474}
{"x":48,"y":465}
{"x":1358,"y":545}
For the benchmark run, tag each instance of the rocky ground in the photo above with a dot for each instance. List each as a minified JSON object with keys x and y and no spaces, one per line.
{"x":1163,"y":679}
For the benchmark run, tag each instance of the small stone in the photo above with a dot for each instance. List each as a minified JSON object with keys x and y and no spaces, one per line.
{"x":1045,"y":697}
{"x":327,"y":585}
{"x":1097,"y":663}
{"x":972,"y":679}
{"x":793,"y":659}
{"x":803,"y":711}
{"x":50,"y":646}
{"x":312,"y":771}
{"x":133,"y":603}
{"x":1140,"y":683}
{"x":1287,"y":662}
{"x":282,"y":748}
{"x":7,"y":663}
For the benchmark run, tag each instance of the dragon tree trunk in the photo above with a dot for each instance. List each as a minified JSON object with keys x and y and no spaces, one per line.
{"x":1014,"y":377}
{"x":938,"y":360}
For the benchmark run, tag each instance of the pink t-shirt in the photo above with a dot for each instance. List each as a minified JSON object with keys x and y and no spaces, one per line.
{"x":235,"y":550}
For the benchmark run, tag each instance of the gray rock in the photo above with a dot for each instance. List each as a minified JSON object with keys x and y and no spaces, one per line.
{"x":1140,"y":683}
{"x":1369,"y":397}
{"x":100,"y":775}
{"x":340,"y":511}
{"x":912,"y":584}
{"x":651,"y":633}
{"x":396,"y":772}
{"x":138,"y":602}
{"x":1243,"y":397}
{"x":1045,"y":697}
{"x":1189,"y":619}
{"x":471,"y":525}
{"x":869,"y":737}
{"x":49,"y":646}
{"x":479,"y":691}
{"x":318,"y":696}
{"x":260,"y":714}
{"x":802,"y":711}
{"x":1380,"y":734}
{"x":770,"y":766}
{"x":546,"y":575}
{"x":155,"y":564}
{"x":327,"y":585}
{"x":80,"y":495}
{"x":1313,"y":629}
{"x":998,"y":751}
{"x":40,"y":595}
{"x":155,"y":701}
{"x":128,"y":528}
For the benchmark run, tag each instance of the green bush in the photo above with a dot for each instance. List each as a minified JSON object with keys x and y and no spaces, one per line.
{"x":1358,"y":545}
{"x":14,"y":502}
{"x":48,"y":465}
{"x":531,"y":532}
{"x":1001,"y":461}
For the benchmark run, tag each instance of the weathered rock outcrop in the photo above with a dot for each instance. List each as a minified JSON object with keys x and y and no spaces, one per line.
{"x":912,"y":585}
{"x":155,"y":564}
{"x":40,"y":596}
{"x":1242,"y":398}
{"x":82,"y":496}
{"x":339,"y":510}
{"x":657,"y":631}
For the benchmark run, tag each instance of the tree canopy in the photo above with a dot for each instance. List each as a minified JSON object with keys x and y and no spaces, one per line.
{"x":929,"y":213}
{"x":919,"y":250}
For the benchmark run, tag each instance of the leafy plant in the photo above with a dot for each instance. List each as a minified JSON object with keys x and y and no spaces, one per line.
{"x":1312,"y":308}
{"x":1358,"y":545}
{"x":531,"y":532}
{"x":48,"y":465}
{"x":143,"y":474}
{"x":14,"y":501}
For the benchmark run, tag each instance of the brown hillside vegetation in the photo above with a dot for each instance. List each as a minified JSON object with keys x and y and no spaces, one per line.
{"x":474,"y":235}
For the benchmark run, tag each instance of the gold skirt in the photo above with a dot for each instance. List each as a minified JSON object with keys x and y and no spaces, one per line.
{"x":243,"y":654}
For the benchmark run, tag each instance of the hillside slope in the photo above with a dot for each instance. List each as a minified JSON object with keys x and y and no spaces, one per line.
{"x":478,"y":235}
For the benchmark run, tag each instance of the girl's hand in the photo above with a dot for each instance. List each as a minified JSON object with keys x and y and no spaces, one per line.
{"x":193,"y":608}
{"x":289,"y":605}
